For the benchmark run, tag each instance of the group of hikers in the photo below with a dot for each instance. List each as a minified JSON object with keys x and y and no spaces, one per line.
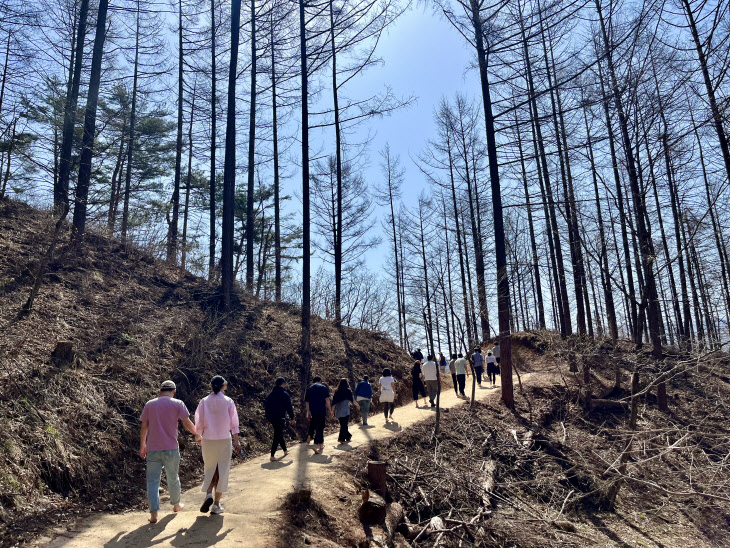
{"x":425,"y":376}
{"x":216,"y":427}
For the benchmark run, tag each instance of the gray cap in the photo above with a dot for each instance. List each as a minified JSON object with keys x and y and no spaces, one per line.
{"x":168,"y":385}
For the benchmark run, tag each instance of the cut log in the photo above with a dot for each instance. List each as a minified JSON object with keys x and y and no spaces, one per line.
{"x":395,"y":515}
{"x":373,"y":511}
{"x":377,"y":471}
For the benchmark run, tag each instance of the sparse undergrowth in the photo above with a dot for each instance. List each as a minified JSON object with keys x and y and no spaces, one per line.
{"x":69,"y":429}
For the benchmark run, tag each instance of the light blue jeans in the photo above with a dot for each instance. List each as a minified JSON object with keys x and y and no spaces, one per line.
{"x":156,"y":461}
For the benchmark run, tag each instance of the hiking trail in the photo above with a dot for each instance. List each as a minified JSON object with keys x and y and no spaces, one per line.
{"x":256,"y":491}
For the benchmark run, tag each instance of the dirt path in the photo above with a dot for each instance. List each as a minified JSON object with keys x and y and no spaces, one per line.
{"x":256,"y":490}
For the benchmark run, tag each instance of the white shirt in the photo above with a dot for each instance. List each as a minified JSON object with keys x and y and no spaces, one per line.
{"x":386,"y":383}
{"x":430,"y":371}
{"x":490,"y":359}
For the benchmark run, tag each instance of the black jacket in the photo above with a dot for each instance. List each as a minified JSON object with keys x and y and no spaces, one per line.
{"x":278,"y":405}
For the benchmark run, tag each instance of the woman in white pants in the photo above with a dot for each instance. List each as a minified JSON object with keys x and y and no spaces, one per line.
{"x":216,"y":419}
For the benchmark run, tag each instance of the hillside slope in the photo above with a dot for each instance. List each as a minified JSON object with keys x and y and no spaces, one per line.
{"x":69,"y":428}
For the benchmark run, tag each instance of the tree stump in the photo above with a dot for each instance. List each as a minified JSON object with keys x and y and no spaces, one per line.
{"x":377,"y":470}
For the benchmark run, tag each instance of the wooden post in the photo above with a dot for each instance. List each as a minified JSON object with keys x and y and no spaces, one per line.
{"x":377,"y":470}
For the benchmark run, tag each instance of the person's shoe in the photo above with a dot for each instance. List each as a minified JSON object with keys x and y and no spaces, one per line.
{"x":217,"y":509}
{"x":309,"y":439}
{"x":207,"y":503}
{"x":286,"y":453}
{"x":433,"y":404}
{"x":272,"y":459}
{"x":179,"y":507}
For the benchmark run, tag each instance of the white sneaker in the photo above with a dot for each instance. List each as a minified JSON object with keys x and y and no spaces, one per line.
{"x":217,"y":509}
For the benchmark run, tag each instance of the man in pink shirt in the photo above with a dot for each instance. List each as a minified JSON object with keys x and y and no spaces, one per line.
{"x":158,"y":444}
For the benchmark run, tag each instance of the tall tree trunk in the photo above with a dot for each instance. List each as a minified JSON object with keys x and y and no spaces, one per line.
{"x":60,"y":194}
{"x":251,"y":158}
{"x":306,"y":346}
{"x":188,"y":184}
{"x":229,"y":166}
{"x":533,"y":243}
{"x":645,"y":244}
{"x":460,"y":248}
{"x":132,"y":125}
{"x":499,"y":239}
{"x":569,"y":200}
{"x":605,"y":269}
{"x":277,"y":196}
{"x":213,"y":145}
{"x":87,"y":151}
{"x":633,"y":317}
{"x":562,"y":297}
{"x":173,"y":228}
{"x":338,"y":160}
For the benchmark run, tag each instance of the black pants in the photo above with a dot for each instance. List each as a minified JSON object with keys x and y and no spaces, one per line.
{"x":279,"y":425}
{"x":388,"y":408}
{"x":456,"y":387}
{"x":462,"y":383}
{"x":316,"y":428}
{"x":418,"y":388}
{"x":344,"y":431}
{"x":479,"y":371}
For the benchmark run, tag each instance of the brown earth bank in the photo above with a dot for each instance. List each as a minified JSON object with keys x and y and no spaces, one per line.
{"x":69,"y":431}
{"x":545,"y":474}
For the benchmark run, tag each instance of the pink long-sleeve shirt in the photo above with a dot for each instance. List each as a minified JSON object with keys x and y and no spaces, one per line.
{"x":216,"y":417}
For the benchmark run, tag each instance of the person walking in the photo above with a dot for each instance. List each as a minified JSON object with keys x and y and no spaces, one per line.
{"x":363,"y":396}
{"x":341,"y":401}
{"x":417,"y":380}
{"x":442,"y":363}
{"x":216,"y":422}
{"x":430,"y":375}
{"x":478,"y":361}
{"x":279,"y":412}
{"x":496,"y":351}
{"x":492,"y":367}
{"x":417,"y":355}
{"x":319,"y":406}
{"x":387,"y":394}
{"x":158,"y":445}
{"x":452,"y":368}
{"x":461,"y":373}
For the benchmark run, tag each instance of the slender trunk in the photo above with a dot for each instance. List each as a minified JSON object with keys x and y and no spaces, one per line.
{"x":499,"y":239}
{"x":87,"y":151}
{"x":213,"y":145}
{"x":277,"y":196}
{"x":172,"y":228}
{"x":633,"y":317}
{"x":229,"y":165}
{"x":460,"y":249}
{"x":569,"y":200}
{"x":251,"y":158}
{"x":188,"y":185}
{"x":115,"y":182}
{"x":645,"y":244}
{"x":605,"y":269}
{"x":132,"y":125}
{"x":533,"y":243}
{"x":306,"y":349}
{"x":60,"y":195}
{"x":563,"y":303}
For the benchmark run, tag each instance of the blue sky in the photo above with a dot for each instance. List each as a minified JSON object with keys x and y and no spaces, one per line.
{"x":424,"y":57}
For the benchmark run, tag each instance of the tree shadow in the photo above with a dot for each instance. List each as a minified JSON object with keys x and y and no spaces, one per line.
{"x":601,"y":527}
